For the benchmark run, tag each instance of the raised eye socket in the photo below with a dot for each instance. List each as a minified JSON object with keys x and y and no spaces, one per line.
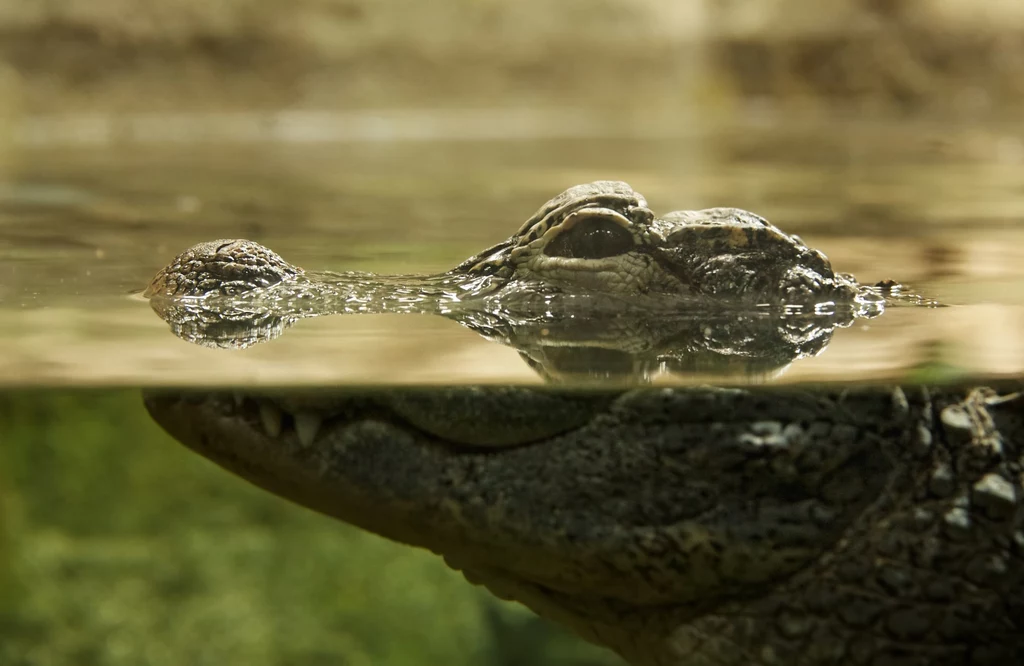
{"x":591,"y":239}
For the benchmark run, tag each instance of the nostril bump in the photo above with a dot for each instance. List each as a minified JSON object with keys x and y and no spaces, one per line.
{"x":641,"y":215}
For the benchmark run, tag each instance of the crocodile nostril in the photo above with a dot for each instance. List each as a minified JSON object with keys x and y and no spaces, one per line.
{"x":228,"y":266}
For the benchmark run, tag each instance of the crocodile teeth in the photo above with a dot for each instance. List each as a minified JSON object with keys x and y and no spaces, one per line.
{"x":271,"y":418}
{"x":307,"y":425}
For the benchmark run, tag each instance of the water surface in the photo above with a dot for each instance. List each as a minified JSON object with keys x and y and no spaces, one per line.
{"x":88,"y":216}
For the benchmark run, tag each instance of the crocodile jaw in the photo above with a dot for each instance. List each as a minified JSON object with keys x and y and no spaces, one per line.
{"x":677,"y":526}
{"x":611,"y":517}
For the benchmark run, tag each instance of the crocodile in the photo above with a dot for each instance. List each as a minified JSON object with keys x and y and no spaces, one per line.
{"x":676,"y":525}
{"x":594,"y":252}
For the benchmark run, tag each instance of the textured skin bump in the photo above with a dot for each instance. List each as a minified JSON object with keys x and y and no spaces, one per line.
{"x":226,"y":267}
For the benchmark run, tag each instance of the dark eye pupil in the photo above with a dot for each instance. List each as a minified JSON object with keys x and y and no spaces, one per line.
{"x":595,"y":239}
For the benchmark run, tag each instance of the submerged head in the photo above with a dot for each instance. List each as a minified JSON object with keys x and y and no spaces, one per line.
{"x":603,"y":511}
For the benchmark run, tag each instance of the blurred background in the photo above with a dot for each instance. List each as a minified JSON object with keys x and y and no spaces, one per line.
{"x":404,"y":136}
{"x":949,"y":56}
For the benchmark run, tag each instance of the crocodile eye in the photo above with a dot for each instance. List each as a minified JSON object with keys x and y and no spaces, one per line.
{"x":596,"y":238}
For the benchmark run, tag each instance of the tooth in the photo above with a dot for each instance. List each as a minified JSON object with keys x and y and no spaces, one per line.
{"x":271,"y":417}
{"x":306,"y":426}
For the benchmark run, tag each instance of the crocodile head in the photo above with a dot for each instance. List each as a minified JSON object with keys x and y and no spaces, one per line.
{"x":595,"y":239}
{"x":602,"y":237}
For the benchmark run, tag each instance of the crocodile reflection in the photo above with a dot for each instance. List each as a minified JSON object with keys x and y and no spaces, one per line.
{"x":579,"y":344}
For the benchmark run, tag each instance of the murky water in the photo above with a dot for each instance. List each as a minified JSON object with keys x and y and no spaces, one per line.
{"x":87,"y":216}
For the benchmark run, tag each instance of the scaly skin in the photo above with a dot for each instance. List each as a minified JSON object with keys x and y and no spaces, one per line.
{"x":677,"y":526}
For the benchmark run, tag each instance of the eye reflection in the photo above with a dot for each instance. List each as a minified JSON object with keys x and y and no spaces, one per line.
{"x":595,"y":238}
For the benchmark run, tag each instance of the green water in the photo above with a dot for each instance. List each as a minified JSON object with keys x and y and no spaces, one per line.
{"x":118,"y":546}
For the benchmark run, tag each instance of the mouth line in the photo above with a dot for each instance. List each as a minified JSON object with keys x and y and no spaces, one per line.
{"x":276,"y":417}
